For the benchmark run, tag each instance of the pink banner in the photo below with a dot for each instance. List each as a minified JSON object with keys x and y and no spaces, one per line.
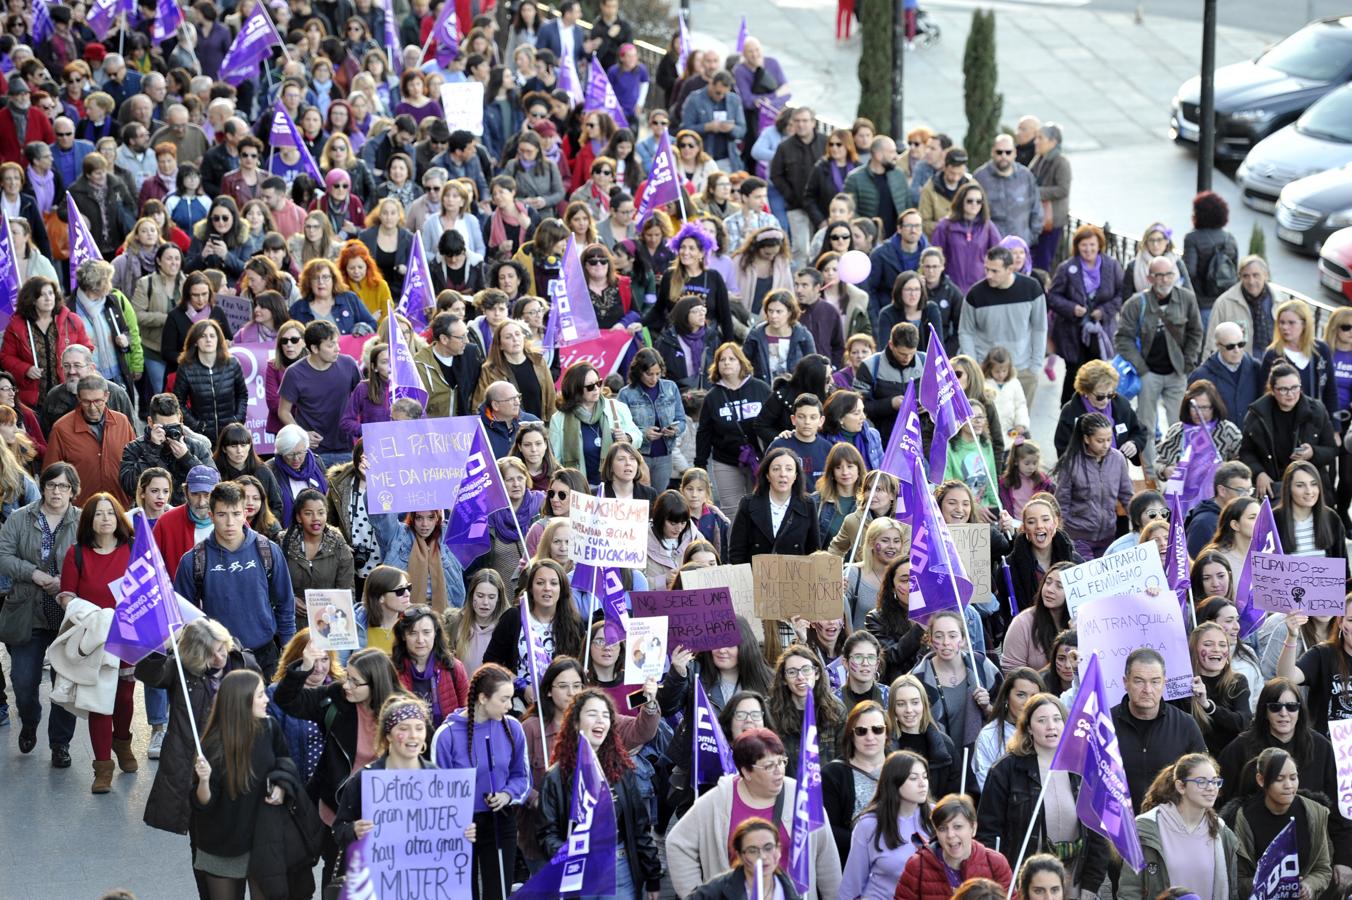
{"x":605,"y":353}
{"x":253,"y":358}
{"x":351,"y":345}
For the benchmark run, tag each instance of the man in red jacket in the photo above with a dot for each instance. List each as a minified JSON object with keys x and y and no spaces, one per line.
{"x":181,"y":528}
{"x":21,"y":123}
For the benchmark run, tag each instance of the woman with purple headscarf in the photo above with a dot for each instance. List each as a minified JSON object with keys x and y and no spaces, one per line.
{"x":1085,"y":297}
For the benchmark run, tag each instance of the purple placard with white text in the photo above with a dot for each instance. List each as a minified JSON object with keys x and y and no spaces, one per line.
{"x":253,"y":359}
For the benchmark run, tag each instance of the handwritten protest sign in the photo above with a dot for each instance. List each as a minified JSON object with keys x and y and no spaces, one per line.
{"x":332,"y":624}
{"x":1311,"y":585}
{"x":807,"y":586}
{"x":419,"y":464}
{"x":698,"y":619}
{"x":253,"y":359}
{"x":1131,"y":571}
{"x":462,"y":104}
{"x":418,"y":846}
{"x":974,"y":546}
{"x":1114,"y":626}
{"x":1340,"y":733}
{"x":646,"y":647}
{"x":238,"y":310}
{"x":739,"y":582}
{"x":608,"y":531}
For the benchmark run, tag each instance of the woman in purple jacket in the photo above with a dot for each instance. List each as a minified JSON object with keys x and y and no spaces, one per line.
{"x":1084,"y":300}
{"x":485,"y":738}
{"x":370,"y":400}
{"x":965,"y":235}
{"x":1091,"y":479}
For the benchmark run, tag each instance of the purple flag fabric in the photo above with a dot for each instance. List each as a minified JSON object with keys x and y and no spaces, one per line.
{"x":1277,"y":875}
{"x":82,"y":246}
{"x":661,"y":188}
{"x":168,"y":16}
{"x":741,"y":35}
{"x":938,"y":580}
{"x":683,"y":47}
{"x":252,"y":46}
{"x":285,"y":128}
{"x":1192,"y":478}
{"x":572,"y":318}
{"x":358,"y":885}
{"x":1265,"y":540}
{"x":537,"y":657}
{"x":711,"y":752}
{"x":104,"y":13}
{"x":607,"y":590}
{"x":145,"y":618}
{"x":392,"y":46}
{"x":905,"y":441}
{"x":585,"y":864}
{"x":1089,"y":748}
{"x":568,"y":81}
{"x":482,"y":493}
{"x":601,"y":95}
{"x":1176,"y":561}
{"x":445,"y":33}
{"x":417,"y":297}
{"x":42,"y":22}
{"x":945,"y":401}
{"x":404,"y":380}
{"x":808,"y":812}
{"x":9,"y":271}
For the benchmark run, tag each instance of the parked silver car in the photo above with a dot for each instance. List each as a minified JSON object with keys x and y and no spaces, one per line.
{"x":1321,"y":139}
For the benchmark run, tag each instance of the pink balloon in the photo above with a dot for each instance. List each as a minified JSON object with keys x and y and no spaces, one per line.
{"x":854,"y":267}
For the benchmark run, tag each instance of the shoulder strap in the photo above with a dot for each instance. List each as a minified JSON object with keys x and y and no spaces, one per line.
{"x":264,"y":546}
{"x":199,"y":568}
{"x":79,"y":559}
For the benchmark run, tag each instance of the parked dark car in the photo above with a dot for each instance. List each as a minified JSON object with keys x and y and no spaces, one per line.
{"x":1319,"y":141}
{"x":1257,"y":97}
{"x":1310,"y":209}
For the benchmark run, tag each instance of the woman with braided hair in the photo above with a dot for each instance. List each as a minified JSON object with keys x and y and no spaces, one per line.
{"x":485,"y":738}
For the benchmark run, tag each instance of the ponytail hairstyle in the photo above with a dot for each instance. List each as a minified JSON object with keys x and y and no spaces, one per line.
{"x":232,"y":729}
{"x":1085,"y":425}
{"x":1165,"y":788}
{"x":377,"y":670}
{"x":486,"y":681}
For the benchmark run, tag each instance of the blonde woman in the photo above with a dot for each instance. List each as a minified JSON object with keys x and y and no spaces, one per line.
{"x":338,"y":154}
{"x":315,"y":241}
{"x":884,"y":540}
{"x":911,"y":726}
{"x":30,"y":259}
{"x":1294,"y":342}
{"x":137,"y":257}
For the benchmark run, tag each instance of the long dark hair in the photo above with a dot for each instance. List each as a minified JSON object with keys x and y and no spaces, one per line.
{"x":812,"y":375}
{"x":799,"y":488}
{"x":1258,"y":736}
{"x":1085,"y":425}
{"x":487,"y":679}
{"x":886,"y":803}
{"x":235,"y":433}
{"x":570,"y":631}
{"x":1232,"y":512}
{"x":1204,"y":559}
{"x":830,"y":712}
{"x":753,"y":673}
{"x":1045,"y":624}
{"x":1325,"y":519}
{"x":441,"y":651}
{"x":232,"y":729}
{"x":1000,"y":708}
{"x":894,"y":614}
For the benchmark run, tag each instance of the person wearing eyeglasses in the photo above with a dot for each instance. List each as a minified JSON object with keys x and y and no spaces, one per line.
{"x":1231,"y":369}
{"x":1096,"y":391}
{"x":716,"y":113}
{"x":1181,"y":835}
{"x":1202,"y":408}
{"x":1285,"y":426}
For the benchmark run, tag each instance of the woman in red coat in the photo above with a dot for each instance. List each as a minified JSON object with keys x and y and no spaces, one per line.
{"x":38,"y":333}
{"x":425,"y":665}
{"x":954,"y":847}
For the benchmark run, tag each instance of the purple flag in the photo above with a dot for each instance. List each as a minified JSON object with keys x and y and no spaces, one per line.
{"x":585,"y":864}
{"x":482,"y":493}
{"x":572,"y":318}
{"x":808,"y":812}
{"x":1176,"y":561}
{"x":683,"y":47}
{"x":945,"y":401}
{"x":285,"y":128}
{"x":905,"y":441}
{"x":661,"y":188}
{"x":711,"y":752}
{"x":607,"y":590}
{"x":417,"y":297}
{"x":404,"y":380}
{"x":1192,"y":477}
{"x":392,"y":46}
{"x":82,"y":246}
{"x":104,"y":13}
{"x":148,"y":612}
{"x":9,"y":271}
{"x":938,"y":580}
{"x":1277,"y":875}
{"x":601,"y":95}
{"x":1265,"y":540}
{"x":358,"y":885}
{"x":537,"y":657}
{"x":741,"y":35}
{"x":568,"y":80}
{"x":1089,"y":748}
{"x":42,"y":22}
{"x":445,"y":33}
{"x":168,"y":16}
{"x":252,"y":46}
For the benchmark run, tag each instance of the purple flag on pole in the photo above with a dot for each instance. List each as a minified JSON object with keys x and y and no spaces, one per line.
{"x":404,"y":380}
{"x":585,"y":864}
{"x":82,"y":246}
{"x":572,"y":318}
{"x":482,"y":494}
{"x":944,"y":399}
{"x":42,"y":22}
{"x":661,"y":188}
{"x":392,"y":46}
{"x":601,"y":95}
{"x":741,"y":35}
{"x":445,"y":32}
{"x":905,"y":441}
{"x":358,"y":885}
{"x":285,"y":128}
{"x":808,"y":812}
{"x":1265,"y":540}
{"x":1176,"y":561}
{"x":148,"y":611}
{"x":938,"y":580}
{"x":537,"y":658}
{"x":711,"y":752}
{"x":1277,"y":875}
{"x":683,"y":48}
{"x":9,"y":271}
{"x":416,"y":297}
{"x":568,"y":80}
{"x":1089,"y":748}
{"x":1192,"y":478}
{"x":607,"y":591}
{"x":252,"y":46}
{"x":104,"y":13}
{"x":168,"y":16}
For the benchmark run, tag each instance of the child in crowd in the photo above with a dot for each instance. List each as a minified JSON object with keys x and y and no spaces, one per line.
{"x":805,"y":441}
{"x":1023,"y":477}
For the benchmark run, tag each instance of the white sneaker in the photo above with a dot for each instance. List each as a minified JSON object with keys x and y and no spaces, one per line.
{"x":156,"y":742}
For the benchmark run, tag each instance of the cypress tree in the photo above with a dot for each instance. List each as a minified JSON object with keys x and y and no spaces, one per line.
{"x":875,"y":61}
{"x":984,"y":105}
{"x":1258,"y":241}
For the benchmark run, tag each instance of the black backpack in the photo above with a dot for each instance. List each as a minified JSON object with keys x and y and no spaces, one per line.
{"x":1221,"y":273}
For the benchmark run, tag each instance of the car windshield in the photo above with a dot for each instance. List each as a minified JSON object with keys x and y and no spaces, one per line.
{"x":1330,"y":118}
{"x":1317,"y":53}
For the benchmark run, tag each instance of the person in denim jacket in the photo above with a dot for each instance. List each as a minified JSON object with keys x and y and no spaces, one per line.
{"x":654,"y":401}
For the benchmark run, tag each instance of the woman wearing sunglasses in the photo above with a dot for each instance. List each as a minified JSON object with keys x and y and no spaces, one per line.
{"x":1096,"y":392}
{"x":386,"y":595}
{"x":849,"y":783}
{"x":1283,"y":721}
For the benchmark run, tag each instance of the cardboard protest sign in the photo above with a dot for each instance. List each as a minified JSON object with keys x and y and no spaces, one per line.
{"x":974,"y":547}
{"x":608,"y":531}
{"x":1340,"y":733}
{"x":1313,"y":585}
{"x":646,"y":648}
{"x":698,"y":619}
{"x":332,"y":624}
{"x":418,"y":846}
{"x":462,"y":104}
{"x":418,"y":465}
{"x":1114,"y":626}
{"x":1131,"y":571}
{"x":253,"y":359}
{"x":238,"y":310}
{"x":807,"y":586}
{"x":739,"y":582}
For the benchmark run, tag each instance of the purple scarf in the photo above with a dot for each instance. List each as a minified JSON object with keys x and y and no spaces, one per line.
{"x":694,"y":349}
{"x":44,"y":189}
{"x":506,"y":527}
{"x":1092,"y":277}
{"x":312,"y":473}
{"x":838,"y":173}
{"x":429,"y":675}
{"x":1107,"y":411}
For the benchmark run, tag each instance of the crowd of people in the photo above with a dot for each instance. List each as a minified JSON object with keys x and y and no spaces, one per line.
{"x":757,"y":390}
